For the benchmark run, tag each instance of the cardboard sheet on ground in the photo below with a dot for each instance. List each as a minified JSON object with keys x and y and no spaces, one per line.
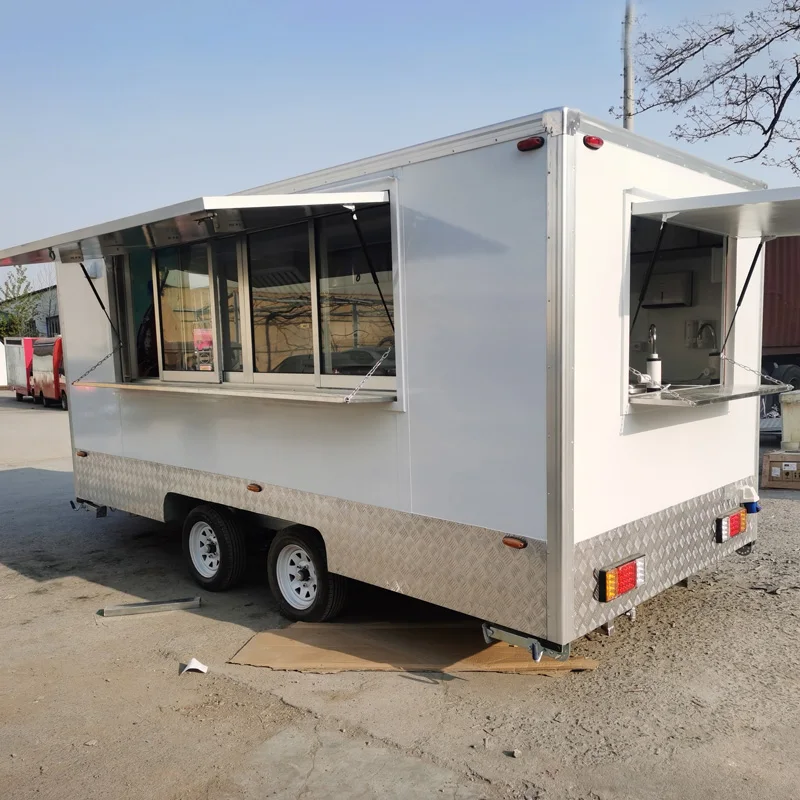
{"x":391,"y":647}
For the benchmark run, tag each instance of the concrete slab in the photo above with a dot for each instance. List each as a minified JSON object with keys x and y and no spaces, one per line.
{"x":327,"y":765}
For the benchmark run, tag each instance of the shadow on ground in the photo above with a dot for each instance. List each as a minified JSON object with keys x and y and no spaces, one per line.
{"x":42,"y":538}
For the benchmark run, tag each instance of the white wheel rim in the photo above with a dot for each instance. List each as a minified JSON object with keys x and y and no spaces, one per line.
{"x":297,"y":577}
{"x":204,"y":549}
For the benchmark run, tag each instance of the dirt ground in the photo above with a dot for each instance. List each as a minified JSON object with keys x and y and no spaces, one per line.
{"x":699,"y":698}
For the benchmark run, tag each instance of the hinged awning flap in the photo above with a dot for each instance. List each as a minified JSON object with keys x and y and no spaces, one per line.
{"x":767,"y":212}
{"x":201,"y":218}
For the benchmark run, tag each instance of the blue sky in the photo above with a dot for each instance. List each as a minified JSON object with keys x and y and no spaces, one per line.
{"x":110,"y":108}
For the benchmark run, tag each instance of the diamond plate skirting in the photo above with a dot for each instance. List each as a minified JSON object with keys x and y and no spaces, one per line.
{"x":456,"y":566}
{"x":678,"y":542}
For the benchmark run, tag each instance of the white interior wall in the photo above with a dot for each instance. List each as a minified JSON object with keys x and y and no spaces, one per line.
{"x":679,"y":363}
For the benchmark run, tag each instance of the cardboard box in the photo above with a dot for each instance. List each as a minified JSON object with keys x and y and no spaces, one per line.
{"x":780,"y":470}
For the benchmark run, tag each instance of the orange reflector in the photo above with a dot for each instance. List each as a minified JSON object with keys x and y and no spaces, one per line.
{"x":81,"y":453}
{"x":512,"y":541}
{"x":254,"y":487}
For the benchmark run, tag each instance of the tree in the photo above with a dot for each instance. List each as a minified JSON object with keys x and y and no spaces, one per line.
{"x":730,"y":74}
{"x":17,"y":305}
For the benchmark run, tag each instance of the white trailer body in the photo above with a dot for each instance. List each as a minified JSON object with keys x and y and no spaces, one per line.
{"x":508,"y":459}
{"x":16,"y":369}
{"x":18,"y":355}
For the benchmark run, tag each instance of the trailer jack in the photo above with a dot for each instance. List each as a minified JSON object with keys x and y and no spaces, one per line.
{"x":86,"y":505}
{"x":536,"y":647}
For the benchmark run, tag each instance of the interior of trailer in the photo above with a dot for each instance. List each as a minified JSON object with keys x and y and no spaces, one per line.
{"x":677,"y":300}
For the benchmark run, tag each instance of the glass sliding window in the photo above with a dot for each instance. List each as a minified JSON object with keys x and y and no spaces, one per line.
{"x":280,"y":296}
{"x":355,"y":313}
{"x":226,"y":268}
{"x":143,"y":315}
{"x":186,"y":308}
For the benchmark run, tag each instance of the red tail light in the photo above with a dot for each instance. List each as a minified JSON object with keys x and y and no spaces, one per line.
{"x":532,"y":143}
{"x":620,"y":578}
{"x":593,"y":142}
{"x":731,"y":524}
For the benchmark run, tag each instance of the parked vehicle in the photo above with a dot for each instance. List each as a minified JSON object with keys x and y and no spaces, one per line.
{"x":781,"y":335}
{"x":19,"y":365}
{"x":49,"y":382}
{"x":567,"y":425}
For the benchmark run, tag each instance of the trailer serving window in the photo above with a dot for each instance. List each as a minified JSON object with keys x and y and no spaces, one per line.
{"x":674,"y":298}
{"x":293,"y":290}
{"x":677,"y":301}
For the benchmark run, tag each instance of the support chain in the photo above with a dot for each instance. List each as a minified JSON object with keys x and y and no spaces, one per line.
{"x":754,"y":371}
{"x":101,"y":361}
{"x":664,"y":390}
{"x":349,"y":398}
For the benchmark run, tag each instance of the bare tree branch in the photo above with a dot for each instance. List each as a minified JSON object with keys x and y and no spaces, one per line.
{"x":729,"y":75}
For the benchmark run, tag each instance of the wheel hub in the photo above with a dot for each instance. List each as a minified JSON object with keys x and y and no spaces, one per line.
{"x":204,"y":549}
{"x":297,"y":577}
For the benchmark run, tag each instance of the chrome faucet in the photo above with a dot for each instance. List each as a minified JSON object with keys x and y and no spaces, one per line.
{"x":700,"y":331}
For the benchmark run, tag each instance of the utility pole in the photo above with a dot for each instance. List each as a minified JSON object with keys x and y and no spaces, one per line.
{"x":627,"y":98}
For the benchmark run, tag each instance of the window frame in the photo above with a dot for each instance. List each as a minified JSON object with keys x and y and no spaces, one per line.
{"x":728,"y":296}
{"x":381,"y":382}
{"x":286,"y":378}
{"x":316,"y":379}
{"x":188,"y":376}
{"x":248,"y":374}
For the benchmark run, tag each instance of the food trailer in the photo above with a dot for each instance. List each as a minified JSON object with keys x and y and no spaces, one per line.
{"x":48,"y":377}
{"x":19,"y":365}
{"x":513,"y":372}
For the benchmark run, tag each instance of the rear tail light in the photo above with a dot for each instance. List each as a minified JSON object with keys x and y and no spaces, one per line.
{"x":593,"y":142}
{"x":731,"y":524}
{"x":620,"y":578}
{"x":531,"y":143}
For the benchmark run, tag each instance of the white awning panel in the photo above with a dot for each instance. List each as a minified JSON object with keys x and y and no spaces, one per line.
{"x":201,"y":218}
{"x":767,"y":212}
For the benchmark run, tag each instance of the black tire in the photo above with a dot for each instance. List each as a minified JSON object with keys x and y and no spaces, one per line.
{"x":38,"y":399}
{"x":19,"y":397}
{"x":64,"y":403}
{"x":791,"y":375}
{"x":230,"y":545}
{"x":331,"y":590}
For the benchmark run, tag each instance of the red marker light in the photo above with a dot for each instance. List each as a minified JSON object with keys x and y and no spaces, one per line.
{"x":532,"y":143}
{"x":593,"y":142}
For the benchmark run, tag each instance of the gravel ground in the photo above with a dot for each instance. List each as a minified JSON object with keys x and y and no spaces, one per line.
{"x":700,"y":698}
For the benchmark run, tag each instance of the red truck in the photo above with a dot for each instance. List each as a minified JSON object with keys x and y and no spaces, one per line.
{"x":19,"y":364}
{"x":49,"y":382}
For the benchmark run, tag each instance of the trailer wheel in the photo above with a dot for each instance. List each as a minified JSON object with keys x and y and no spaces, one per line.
{"x":791,"y":375}
{"x":64,"y":403}
{"x":215,"y":548}
{"x":297,"y":569}
{"x":38,"y":399}
{"x":20,"y":397}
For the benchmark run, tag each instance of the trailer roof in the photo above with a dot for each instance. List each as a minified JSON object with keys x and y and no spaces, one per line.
{"x":123,"y":234}
{"x":552,"y":121}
